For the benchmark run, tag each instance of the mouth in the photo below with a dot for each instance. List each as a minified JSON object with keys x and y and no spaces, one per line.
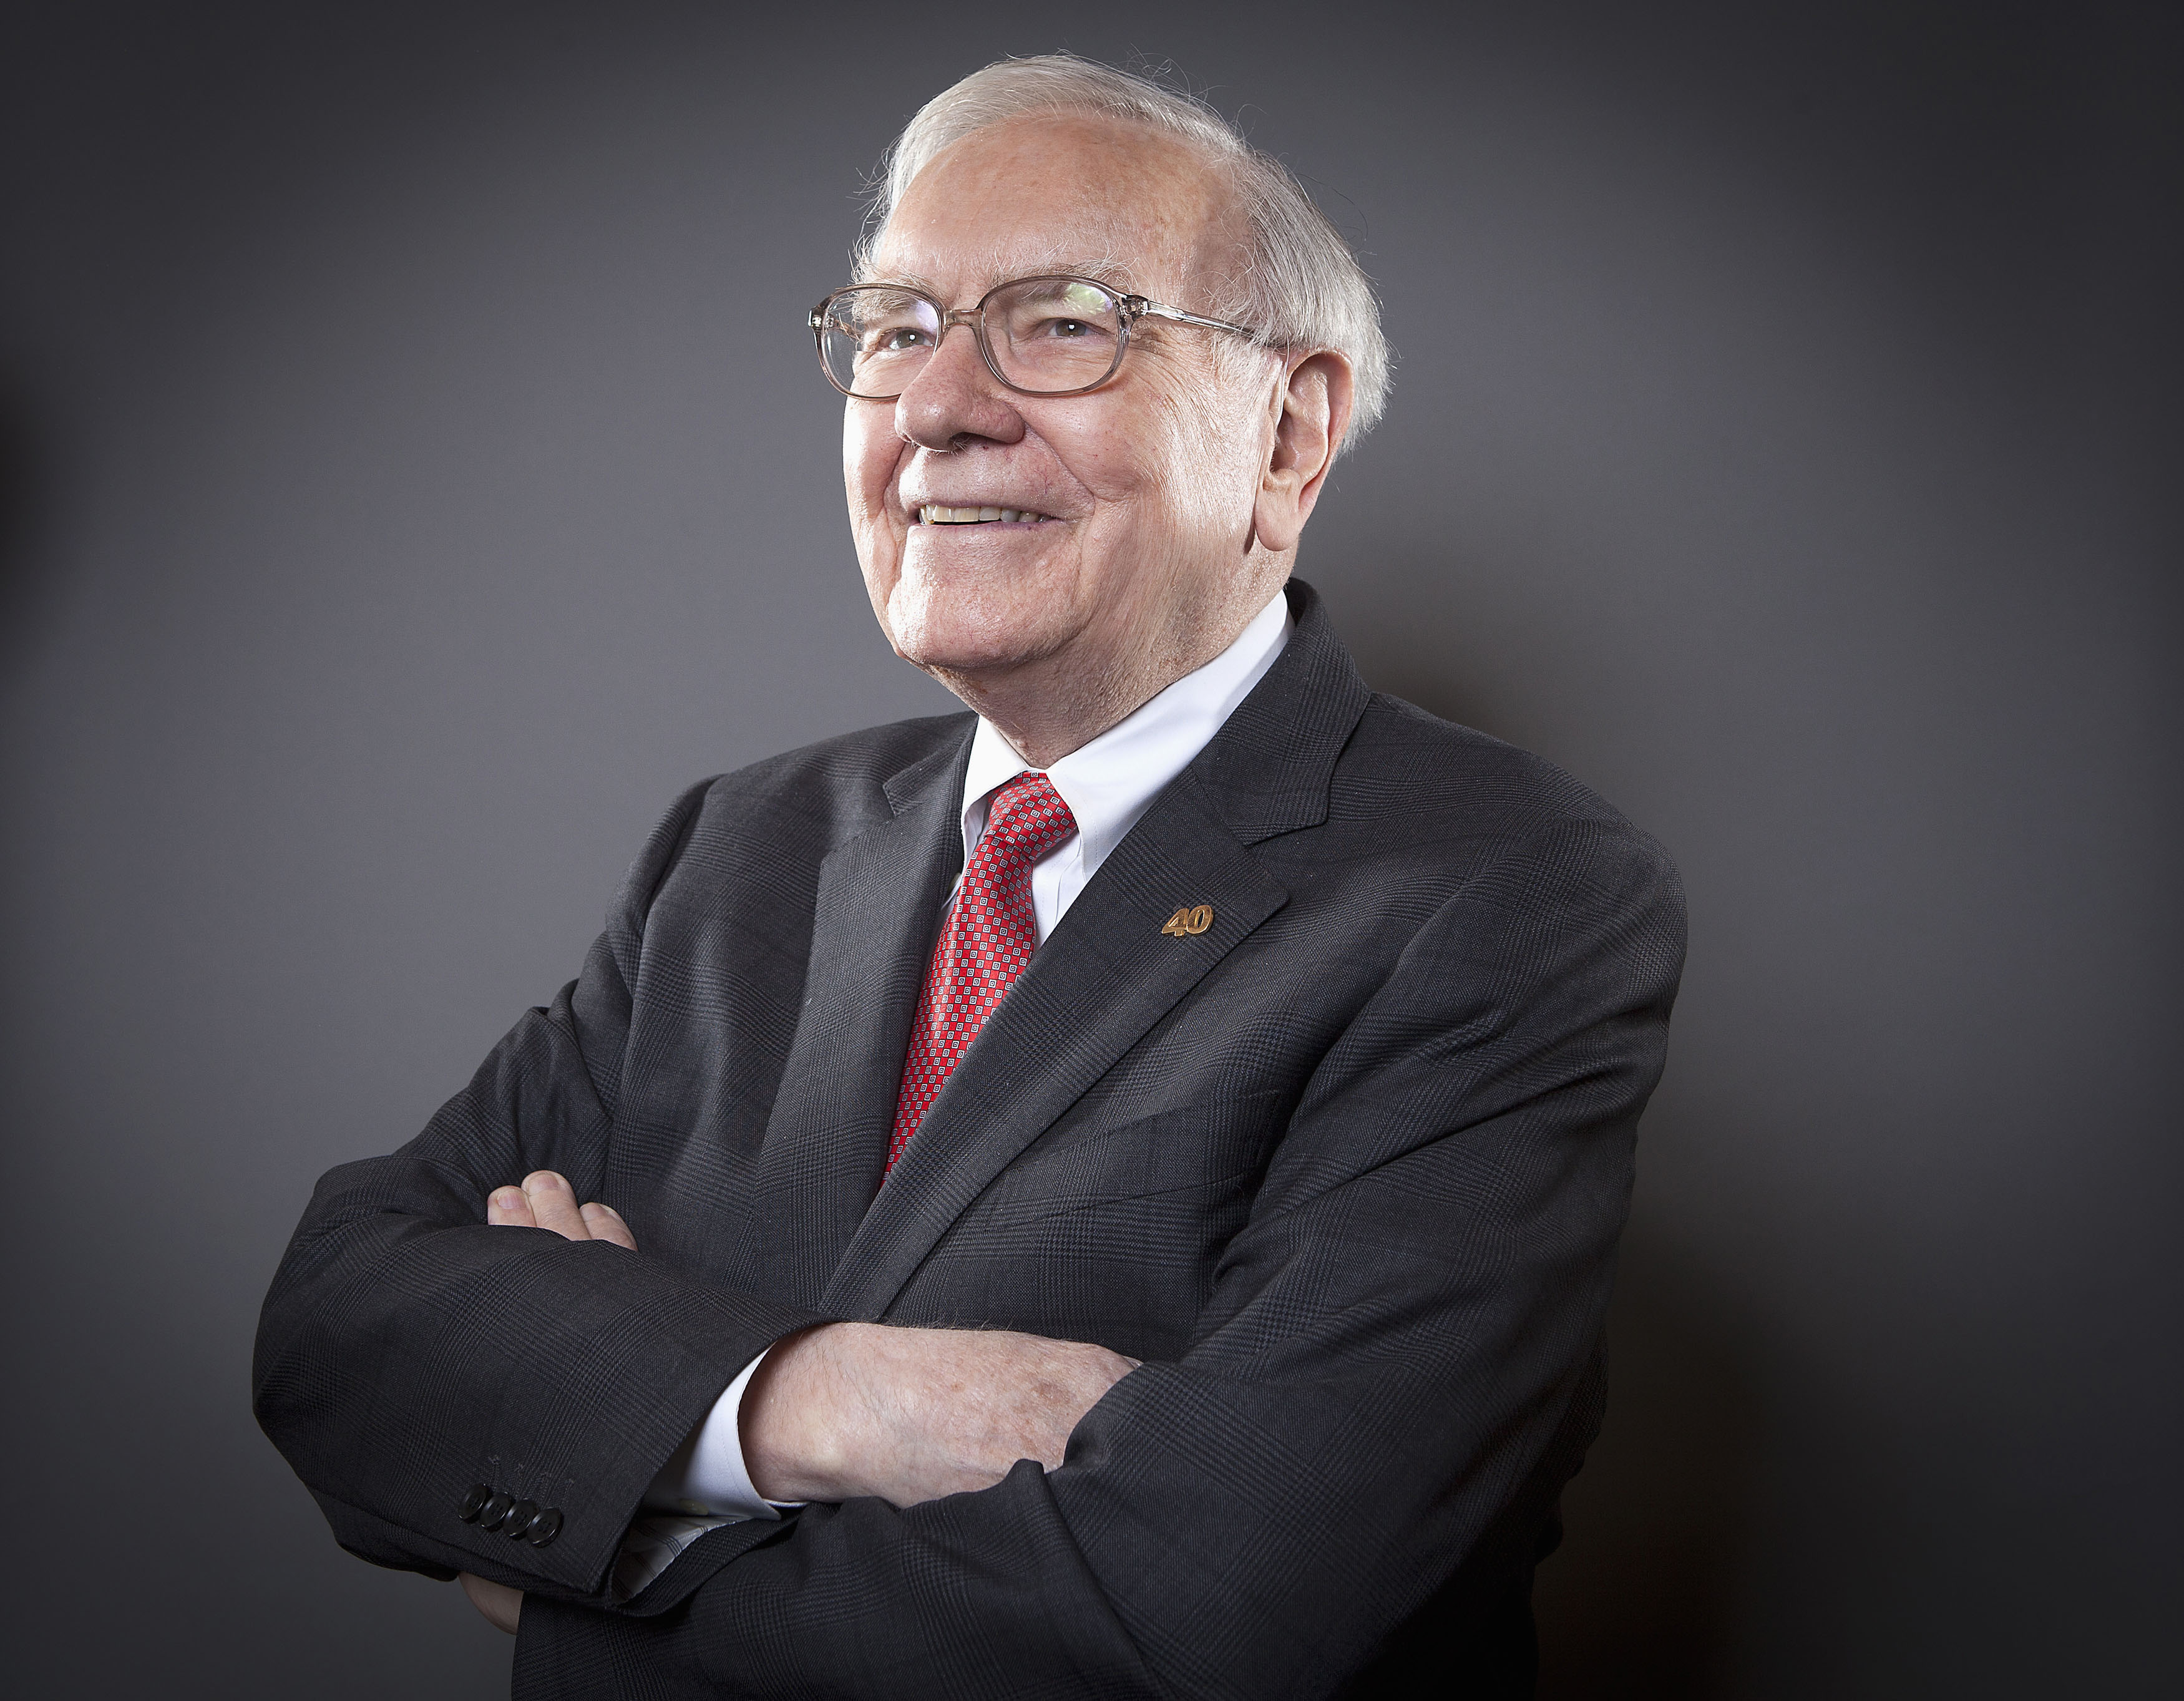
{"x":936,"y":514}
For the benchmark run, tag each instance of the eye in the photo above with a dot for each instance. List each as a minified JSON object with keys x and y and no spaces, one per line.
{"x":896,"y":339}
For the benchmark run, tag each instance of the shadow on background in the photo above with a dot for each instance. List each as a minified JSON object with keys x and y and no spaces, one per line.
{"x":22,"y":473}
{"x":1640,"y":1600}
{"x":1398,"y":650}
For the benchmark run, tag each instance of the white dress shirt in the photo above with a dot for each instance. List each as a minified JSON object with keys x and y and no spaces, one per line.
{"x":1108,"y":784}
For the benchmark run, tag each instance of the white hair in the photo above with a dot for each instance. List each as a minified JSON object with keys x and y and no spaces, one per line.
{"x":1301,"y":285}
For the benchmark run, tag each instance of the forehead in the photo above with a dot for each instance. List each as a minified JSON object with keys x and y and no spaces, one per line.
{"x":1061,"y":192}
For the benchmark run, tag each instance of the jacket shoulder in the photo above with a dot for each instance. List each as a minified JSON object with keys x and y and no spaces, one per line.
{"x":802,"y":801}
{"x":852,"y":764}
{"x":1402,"y":763}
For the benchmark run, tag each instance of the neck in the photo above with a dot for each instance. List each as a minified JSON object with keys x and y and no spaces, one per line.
{"x":1046,"y":711}
{"x":1052,"y":704}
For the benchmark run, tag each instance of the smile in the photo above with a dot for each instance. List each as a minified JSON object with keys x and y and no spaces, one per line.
{"x":933,"y":514}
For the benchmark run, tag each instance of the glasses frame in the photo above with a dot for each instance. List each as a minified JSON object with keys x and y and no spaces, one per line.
{"x":1131,"y":309}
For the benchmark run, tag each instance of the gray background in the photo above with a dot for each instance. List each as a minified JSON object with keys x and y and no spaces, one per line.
{"x":415,"y":470}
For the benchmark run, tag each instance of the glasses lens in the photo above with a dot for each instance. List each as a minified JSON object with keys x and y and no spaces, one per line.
{"x":1054,"y":333}
{"x":876,"y":337}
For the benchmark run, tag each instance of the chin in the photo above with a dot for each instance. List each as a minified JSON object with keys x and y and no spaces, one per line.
{"x":955,"y":627}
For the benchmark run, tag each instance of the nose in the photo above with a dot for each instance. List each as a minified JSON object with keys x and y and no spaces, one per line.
{"x":956,"y":399}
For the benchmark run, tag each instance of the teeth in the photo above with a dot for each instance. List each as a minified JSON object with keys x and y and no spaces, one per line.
{"x":933,"y":514}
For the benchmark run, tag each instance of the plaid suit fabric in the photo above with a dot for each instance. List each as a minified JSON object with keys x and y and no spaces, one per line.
{"x":984,"y":944}
{"x":1345,"y":1171}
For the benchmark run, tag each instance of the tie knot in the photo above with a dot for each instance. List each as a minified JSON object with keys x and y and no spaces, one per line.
{"x":1028,"y":817}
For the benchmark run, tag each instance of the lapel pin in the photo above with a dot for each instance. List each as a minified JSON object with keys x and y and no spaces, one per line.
{"x":1191,"y":918}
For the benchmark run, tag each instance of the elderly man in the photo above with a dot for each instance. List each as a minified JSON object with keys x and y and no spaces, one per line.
{"x":1112,"y":1194}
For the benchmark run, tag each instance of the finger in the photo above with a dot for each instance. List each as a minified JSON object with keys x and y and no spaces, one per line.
{"x":553,"y":1203}
{"x":509,"y":1208}
{"x":605,"y":1223}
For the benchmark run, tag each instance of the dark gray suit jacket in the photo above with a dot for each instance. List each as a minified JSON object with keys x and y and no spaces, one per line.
{"x":1346,"y":1171}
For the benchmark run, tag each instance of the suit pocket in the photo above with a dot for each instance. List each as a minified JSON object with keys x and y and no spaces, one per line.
{"x":1105,"y":1234}
{"x":1200,"y":1149}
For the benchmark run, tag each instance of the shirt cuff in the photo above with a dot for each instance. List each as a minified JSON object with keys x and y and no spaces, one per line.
{"x":706,"y":1476}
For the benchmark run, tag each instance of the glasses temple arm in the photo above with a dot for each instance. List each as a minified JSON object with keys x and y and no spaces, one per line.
{"x":1142,"y":309}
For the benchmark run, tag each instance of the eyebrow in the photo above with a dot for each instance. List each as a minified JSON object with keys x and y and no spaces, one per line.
{"x":1104,"y":270}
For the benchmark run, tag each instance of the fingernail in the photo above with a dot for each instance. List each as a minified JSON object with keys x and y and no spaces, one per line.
{"x":545,"y":1181}
{"x":507,"y":1198}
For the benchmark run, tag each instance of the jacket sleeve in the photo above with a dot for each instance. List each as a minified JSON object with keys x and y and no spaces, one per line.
{"x":407,"y":1351}
{"x":1393,"y":1341}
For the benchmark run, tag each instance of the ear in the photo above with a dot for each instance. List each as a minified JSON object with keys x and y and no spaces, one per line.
{"x":1311,"y":409}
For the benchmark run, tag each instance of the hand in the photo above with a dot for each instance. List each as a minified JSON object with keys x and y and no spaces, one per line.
{"x":502,"y":1606}
{"x":910,"y":1415}
{"x":544,"y":1201}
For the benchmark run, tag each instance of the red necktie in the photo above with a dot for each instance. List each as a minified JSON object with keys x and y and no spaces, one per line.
{"x":984,"y":944}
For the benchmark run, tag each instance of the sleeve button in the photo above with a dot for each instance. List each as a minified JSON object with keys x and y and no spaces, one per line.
{"x":545,"y":1527}
{"x":495,"y":1510}
{"x":519,"y":1517}
{"x":474,"y":1502}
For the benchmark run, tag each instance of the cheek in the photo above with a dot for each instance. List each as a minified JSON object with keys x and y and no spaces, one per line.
{"x":869,"y":458}
{"x":864,"y":464}
{"x":1201,"y":473}
{"x":1232,"y":440}
{"x":1207,"y":423}
{"x":1151,"y":467}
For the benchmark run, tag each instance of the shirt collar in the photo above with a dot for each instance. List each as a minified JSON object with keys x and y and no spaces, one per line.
{"x":1111,"y":782}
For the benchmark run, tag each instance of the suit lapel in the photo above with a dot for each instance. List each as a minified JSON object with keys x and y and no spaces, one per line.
{"x":1104,"y":978}
{"x":878,"y":907}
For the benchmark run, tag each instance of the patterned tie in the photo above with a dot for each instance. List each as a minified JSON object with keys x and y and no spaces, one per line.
{"x":984,"y":944}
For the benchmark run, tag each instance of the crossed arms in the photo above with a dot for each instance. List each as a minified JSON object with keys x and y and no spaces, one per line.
{"x":845,"y":1409}
{"x":1355,"y":1211}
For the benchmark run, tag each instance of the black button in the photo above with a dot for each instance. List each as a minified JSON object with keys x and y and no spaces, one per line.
{"x":495,"y":1510}
{"x":545,"y":1527}
{"x":519,"y":1517}
{"x":474,"y":1502}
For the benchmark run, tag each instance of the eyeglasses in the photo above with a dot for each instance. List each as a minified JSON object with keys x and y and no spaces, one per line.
{"x":1040,"y":335}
